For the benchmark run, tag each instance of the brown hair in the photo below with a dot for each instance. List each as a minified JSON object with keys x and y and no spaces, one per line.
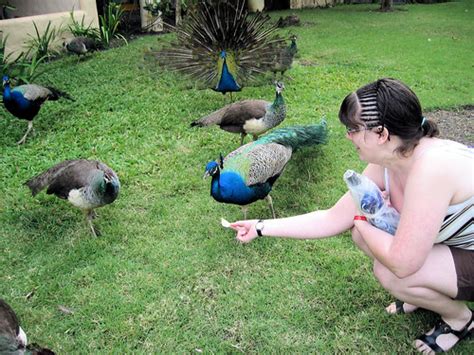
{"x":388,"y":103}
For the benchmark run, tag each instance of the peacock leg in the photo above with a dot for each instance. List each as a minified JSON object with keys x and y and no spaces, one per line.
{"x":30,"y":127}
{"x":244,"y":210}
{"x":242,"y":136}
{"x":90,"y":216}
{"x":270,"y":203}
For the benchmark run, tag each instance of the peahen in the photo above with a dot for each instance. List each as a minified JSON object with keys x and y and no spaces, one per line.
{"x":248,"y":173}
{"x":284,"y":60}
{"x":80,"y":45}
{"x":13,"y":339}
{"x":248,"y":116}
{"x":87,"y":184}
{"x":25,"y":101}
{"x":222,"y":46}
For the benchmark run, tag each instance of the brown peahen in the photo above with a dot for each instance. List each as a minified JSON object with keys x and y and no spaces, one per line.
{"x":284,"y":60}
{"x":13,"y":339}
{"x":87,"y":184}
{"x":80,"y":45}
{"x":222,"y":46}
{"x":253,"y":117}
{"x":248,"y":173}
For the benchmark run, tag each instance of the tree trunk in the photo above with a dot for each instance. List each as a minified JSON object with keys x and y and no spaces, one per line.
{"x":177,"y":12}
{"x":386,"y":5}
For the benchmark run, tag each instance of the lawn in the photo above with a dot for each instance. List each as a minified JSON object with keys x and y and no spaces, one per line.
{"x":165,"y":276}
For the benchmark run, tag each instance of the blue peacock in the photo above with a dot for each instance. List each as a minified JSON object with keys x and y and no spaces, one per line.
{"x":222,"y":46}
{"x":25,"y":101}
{"x":248,"y":173}
{"x":86,"y":184}
{"x":253,"y":117}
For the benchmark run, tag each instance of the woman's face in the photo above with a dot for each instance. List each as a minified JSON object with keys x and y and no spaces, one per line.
{"x":365,"y":142}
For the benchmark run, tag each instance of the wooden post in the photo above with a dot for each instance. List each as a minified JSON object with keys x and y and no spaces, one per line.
{"x":178,"y":12}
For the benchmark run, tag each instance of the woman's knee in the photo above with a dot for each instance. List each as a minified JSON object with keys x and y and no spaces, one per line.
{"x":386,"y":278}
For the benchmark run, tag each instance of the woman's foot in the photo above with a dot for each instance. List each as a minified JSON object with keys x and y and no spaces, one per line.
{"x":400,"y":307}
{"x":443,"y":337}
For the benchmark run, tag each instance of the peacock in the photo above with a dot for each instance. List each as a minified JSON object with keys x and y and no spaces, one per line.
{"x":80,"y":45}
{"x":222,"y":46}
{"x":87,"y":184}
{"x":248,"y":173}
{"x":13,"y":339}
{"x":25,"y":101}
{"x":253,"y":117}
{"x":284,"y":60}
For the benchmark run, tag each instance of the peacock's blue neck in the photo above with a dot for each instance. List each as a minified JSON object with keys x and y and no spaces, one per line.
{"x":227,"y":82}
{"x":7,"y":92}
{"x":229,"y":187}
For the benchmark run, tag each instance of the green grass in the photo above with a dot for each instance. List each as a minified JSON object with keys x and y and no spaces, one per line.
{"x":165,"y":276}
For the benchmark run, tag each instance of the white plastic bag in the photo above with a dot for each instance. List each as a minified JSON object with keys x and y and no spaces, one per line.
{"x":370,"y":202}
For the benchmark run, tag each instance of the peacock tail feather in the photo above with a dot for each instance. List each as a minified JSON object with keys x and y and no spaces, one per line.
{"x":297,"y":136}
{"x":249,"y":43}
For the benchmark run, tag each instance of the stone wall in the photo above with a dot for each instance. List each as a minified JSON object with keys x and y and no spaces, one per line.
{"x":18,"y":29}
{"x":40,"y":7}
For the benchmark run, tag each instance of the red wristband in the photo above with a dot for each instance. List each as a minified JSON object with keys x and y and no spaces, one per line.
{"x":360,"y":218}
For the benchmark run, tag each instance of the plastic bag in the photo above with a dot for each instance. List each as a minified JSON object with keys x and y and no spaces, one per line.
{"x":370,"y":202}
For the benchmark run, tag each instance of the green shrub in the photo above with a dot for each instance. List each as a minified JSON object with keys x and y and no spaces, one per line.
{"x":109,"y":23}
{"x":40,"y":45}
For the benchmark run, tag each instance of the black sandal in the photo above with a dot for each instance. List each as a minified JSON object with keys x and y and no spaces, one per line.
{"x":399,"y":307}
{"x":443,"y":328}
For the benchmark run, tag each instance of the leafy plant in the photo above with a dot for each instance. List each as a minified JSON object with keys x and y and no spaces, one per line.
{"x":6,"y":64}
{"x":5,"y":5}
{"x":27,"y":69}
{"x":153,"y":7}
{"x":41,"y":44}
{"x":79,"y":29}
{"x":21,"y":68}
{"x":109,"y":23}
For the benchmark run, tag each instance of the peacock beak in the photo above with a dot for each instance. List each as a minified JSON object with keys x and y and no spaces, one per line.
{"x":206,"y":175}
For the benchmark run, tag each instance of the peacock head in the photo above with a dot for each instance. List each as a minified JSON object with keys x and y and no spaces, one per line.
{"x":223,"y":54}
{"x":213,"y":167}
{"x":6,"y":80}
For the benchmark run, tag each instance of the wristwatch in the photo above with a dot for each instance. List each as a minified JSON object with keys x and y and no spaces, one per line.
{"x":259,"y":227}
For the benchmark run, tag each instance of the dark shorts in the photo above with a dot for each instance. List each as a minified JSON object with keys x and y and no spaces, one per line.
{"x":464,"y":264}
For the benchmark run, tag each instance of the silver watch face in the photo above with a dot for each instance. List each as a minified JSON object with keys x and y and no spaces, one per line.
{"x":259,"y":226}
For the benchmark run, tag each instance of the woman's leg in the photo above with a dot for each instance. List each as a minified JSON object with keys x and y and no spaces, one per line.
{"x":433,"y":287}
{"x":392,"y":308}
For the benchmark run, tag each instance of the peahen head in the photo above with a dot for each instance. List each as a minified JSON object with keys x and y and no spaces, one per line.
{"x":107,"y":185}
{"x":279,"y":87}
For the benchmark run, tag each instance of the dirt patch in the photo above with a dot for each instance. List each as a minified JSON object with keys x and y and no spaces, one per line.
{"x":457,"y":125}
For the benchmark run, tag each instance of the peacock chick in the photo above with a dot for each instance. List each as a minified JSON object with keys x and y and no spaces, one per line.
{"x":284,"y":59}
{"x":248,"y":173}
{"x":86,"y":184}
{"x":253,"y":117}
{"x":13,"y":339}
{"x":25,"y":101}
{"x":80,"y":45}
